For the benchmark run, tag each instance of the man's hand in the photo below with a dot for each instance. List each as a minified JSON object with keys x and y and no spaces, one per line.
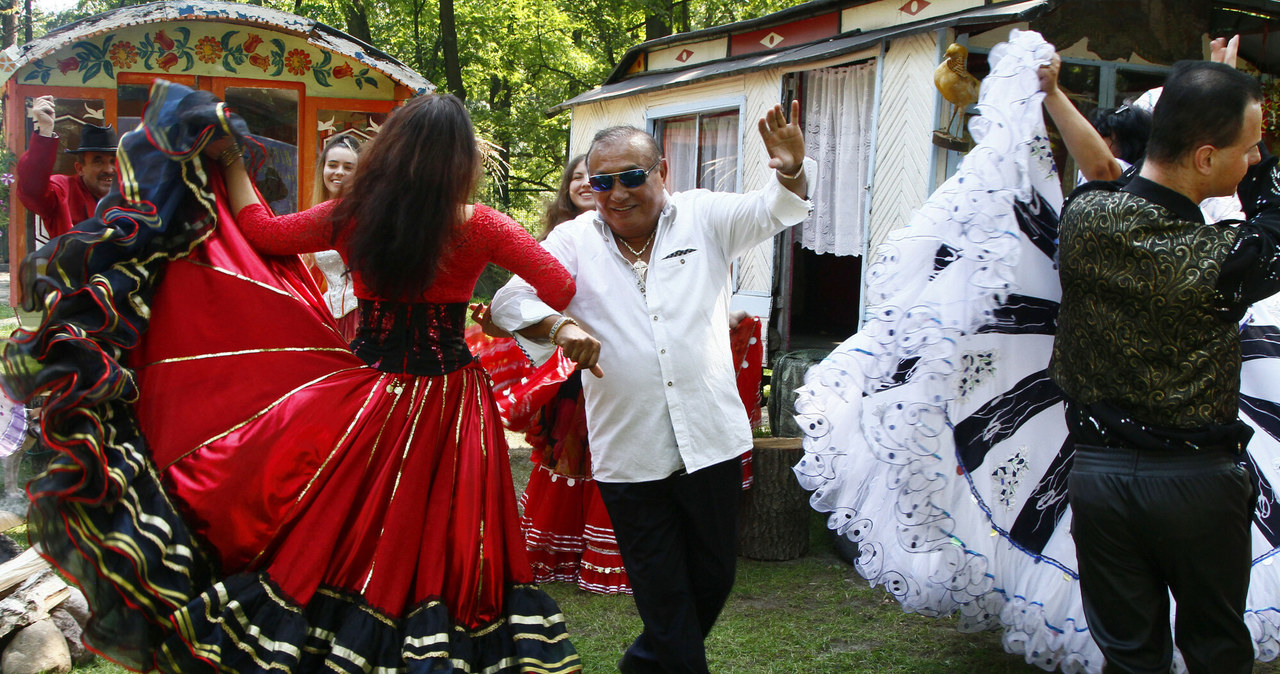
{"x":784,"y":141}
{"x":1222,"y":50}
{"x":42,"y":109}
{"x":580,"y":347}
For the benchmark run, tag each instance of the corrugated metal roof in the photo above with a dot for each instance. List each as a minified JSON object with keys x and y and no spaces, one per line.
{"x":312,"y":31}
{"x":1006,"y":12}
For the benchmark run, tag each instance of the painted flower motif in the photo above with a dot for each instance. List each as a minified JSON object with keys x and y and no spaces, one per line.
{"x":168,"y":61}
{"x":208,"y":49}
{"x":123,"y":55}
{"x":252,"y":43}
{"x":165,"y":42}
{"x":342,"y":71}
{"x":298,"y":62}
{"x":260,"y":61}
{"x":69,"y":64}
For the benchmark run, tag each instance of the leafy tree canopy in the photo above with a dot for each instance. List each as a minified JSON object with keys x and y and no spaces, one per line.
{"x":510,"y":60}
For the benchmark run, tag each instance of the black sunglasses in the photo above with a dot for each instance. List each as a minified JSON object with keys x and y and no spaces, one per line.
{"x":629,"y":179}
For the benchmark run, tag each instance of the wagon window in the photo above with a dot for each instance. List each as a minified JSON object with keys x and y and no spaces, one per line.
{"x":701,"y":150}
{"x":272,"y":116}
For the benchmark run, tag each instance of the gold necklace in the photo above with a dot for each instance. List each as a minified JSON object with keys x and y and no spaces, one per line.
{"x":640,"y":268}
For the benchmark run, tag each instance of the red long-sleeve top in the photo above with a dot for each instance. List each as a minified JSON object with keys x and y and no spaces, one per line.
{"x":488,"y":236}
{"x":61,"y":201}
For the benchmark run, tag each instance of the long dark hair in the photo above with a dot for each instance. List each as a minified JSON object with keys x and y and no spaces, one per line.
{"x":562,"y":207}
{"x":408,"y":197}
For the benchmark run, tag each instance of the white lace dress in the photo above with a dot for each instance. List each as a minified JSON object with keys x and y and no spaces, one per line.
{"x":934,"y":436}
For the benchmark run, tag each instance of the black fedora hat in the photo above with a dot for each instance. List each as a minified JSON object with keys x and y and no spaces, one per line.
{"x":94,"y":138}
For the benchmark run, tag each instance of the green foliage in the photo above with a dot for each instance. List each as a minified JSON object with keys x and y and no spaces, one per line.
{"x":518,"y":57}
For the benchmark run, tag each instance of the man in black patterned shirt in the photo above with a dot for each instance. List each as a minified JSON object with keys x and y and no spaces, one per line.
{"x":1148,"y":355}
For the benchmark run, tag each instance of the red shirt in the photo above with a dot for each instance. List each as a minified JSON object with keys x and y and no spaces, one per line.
{"x":61,"y":201}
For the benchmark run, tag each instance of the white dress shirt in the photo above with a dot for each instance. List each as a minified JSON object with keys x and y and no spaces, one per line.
{"x":668,"y":399}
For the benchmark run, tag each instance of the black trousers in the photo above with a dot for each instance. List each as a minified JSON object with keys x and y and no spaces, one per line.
{"x":1148,"y":524}
{"x":678,"y":537}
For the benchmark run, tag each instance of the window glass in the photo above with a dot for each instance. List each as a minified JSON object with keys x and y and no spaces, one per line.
{"x":272,"y":116}
{"x":701,"y":150}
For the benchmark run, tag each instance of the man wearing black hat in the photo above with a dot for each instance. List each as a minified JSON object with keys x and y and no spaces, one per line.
{"x":61,"y":201}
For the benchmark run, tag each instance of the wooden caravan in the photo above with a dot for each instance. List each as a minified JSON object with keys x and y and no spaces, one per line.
{"x":294,"y":80}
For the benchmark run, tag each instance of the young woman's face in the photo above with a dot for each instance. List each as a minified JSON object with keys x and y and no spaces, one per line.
{"x":580,"y":190}
{"x":339,"y":166}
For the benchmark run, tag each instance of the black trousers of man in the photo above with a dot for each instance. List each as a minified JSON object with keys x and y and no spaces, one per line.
{"x":678,"y":537}
{"x":1148,"y":523}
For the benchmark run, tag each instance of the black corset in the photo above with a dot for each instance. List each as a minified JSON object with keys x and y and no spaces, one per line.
{"x":413,"y":338}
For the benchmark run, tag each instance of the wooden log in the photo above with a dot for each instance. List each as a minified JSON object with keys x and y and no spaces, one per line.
{"x":20,"y":568}
{"x":774,"y":520}
{"x":32,"y":600}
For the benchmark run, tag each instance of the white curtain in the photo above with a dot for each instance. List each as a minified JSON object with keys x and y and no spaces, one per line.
{"x":719,"y":141}
{"x":680,"y":147}
{"x":837,"y":134}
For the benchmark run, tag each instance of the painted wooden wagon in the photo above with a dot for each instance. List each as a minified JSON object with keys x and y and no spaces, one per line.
{"x":295,"y":81}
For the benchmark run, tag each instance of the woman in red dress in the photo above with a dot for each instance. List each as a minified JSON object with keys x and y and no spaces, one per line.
{"x":260,"y":498}
{"x":566,"y":528}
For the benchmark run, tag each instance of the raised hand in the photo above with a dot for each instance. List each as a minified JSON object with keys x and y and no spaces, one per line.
{"x":42,"y":109}
{"x":783,"y":140}
{"x":1222,"y":50}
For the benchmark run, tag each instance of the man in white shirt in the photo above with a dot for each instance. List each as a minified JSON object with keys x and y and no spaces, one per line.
{"x":665,"y":420}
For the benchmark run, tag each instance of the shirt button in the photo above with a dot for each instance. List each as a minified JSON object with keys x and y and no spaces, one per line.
{"x":682,"y":262}
{"x":669,"y":384}
{"x":662,"y":351}
{"x":655,"y":318}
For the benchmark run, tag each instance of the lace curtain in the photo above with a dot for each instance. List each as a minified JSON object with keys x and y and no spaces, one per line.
{"x":837,"y":134}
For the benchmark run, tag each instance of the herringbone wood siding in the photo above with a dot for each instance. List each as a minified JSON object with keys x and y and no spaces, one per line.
{"x":905,"y":124}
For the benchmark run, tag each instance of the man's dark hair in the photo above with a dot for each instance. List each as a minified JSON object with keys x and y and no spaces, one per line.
{"x":625,"y":132}
{"x":1203,"y":103}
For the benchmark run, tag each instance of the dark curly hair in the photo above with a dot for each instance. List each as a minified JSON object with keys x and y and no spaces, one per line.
{"x":1127,"y":127}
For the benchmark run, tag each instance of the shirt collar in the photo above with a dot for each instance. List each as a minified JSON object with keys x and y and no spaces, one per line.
{"x":1181,"y":205}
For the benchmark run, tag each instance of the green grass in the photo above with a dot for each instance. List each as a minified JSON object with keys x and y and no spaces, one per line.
{"x":812,"y":615}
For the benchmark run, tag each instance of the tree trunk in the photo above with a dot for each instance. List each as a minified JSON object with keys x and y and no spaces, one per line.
{"x":500,"y":103}
{"x":774,"y":521}
{"x":357,"y":17}
{"x":449,"y":45}
{"x":26,"y":21}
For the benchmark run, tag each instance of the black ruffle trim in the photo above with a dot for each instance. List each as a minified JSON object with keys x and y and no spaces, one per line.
{"x":248,"y":625}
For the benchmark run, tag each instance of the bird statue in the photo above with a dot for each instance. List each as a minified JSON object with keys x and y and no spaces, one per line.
{"x":959,"y":88}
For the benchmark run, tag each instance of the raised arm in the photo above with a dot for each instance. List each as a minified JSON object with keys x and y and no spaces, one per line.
{"x":785,"y":143}
{"x":303,"y":232}
{"x":35,"y":166}
{"x":1084,"y":144}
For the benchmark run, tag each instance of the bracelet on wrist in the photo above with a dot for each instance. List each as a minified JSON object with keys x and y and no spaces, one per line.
{"x":792,"y":176}
{"x":230,"y":155}
{"x":555,"y":329}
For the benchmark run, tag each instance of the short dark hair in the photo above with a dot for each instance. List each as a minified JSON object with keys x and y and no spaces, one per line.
{"x":626,"y":132}
{"x":1127,"y":127}
{"x":1203,"y":103}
